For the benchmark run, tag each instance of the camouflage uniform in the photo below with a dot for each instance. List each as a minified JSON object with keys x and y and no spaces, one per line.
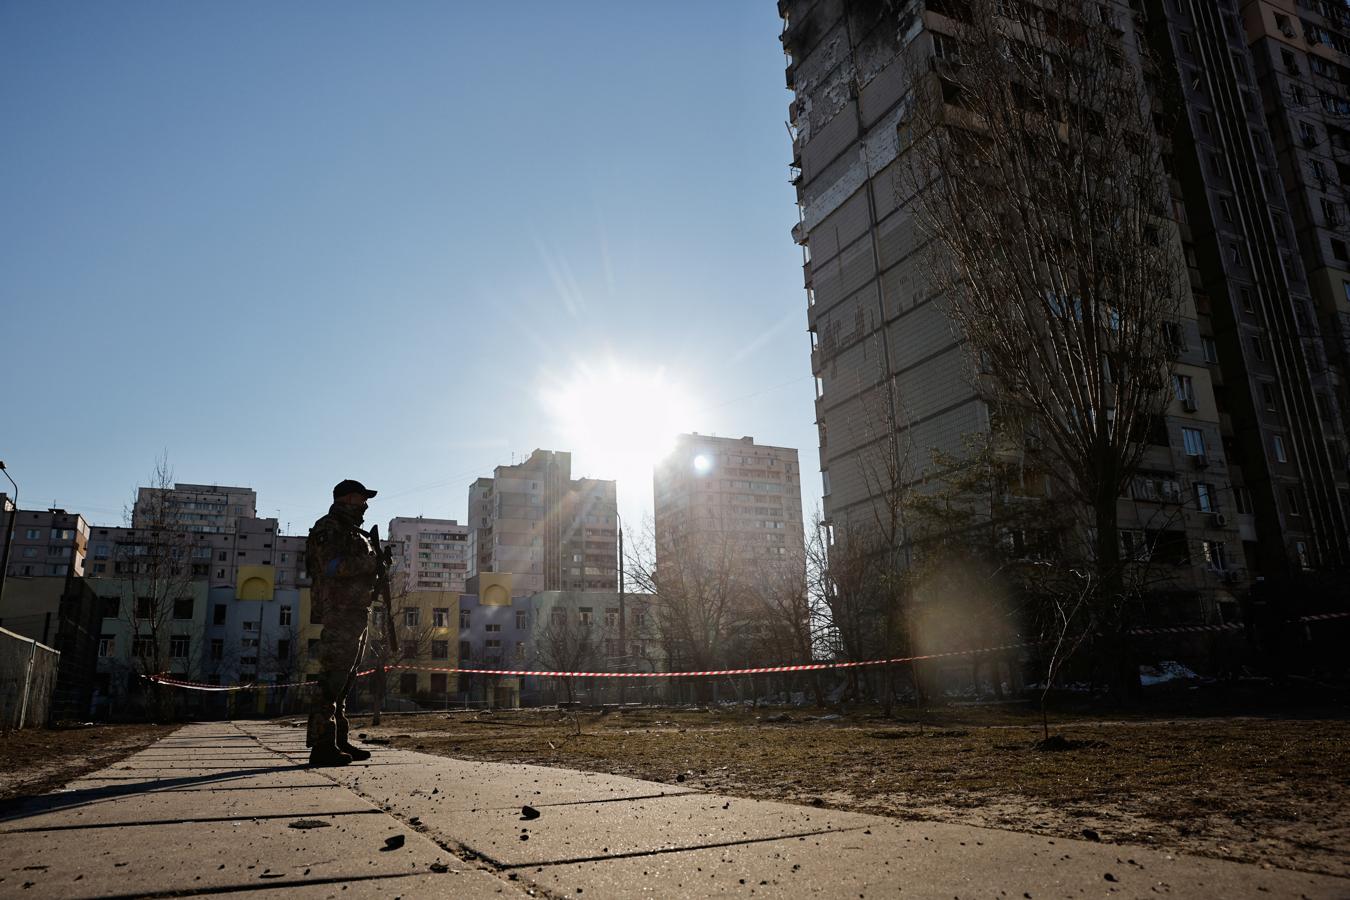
{"x":342,"y":563}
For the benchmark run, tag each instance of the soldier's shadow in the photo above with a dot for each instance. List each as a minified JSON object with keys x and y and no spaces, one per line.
{"x":19,"y":808}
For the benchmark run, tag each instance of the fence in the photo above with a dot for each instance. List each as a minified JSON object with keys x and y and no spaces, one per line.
{"x":27,"y":680}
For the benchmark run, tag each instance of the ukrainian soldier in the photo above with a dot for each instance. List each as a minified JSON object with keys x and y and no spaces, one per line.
{"x":343,"y":565}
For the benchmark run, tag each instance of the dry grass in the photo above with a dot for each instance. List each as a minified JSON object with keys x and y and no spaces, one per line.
{"x":1269,"y":790}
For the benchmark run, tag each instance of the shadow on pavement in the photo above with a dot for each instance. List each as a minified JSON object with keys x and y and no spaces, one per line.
{"x":23,"y":807}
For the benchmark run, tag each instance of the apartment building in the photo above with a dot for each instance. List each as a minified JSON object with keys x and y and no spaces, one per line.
{"x":551,"y":531}
{"x":1300,"y":54}
{"x":49,"y":542}
{"x":244,"y":587}
{"x":204,"y":508}
{"x":429,"y":554}
{"x":1240,"y":481}
{"x":732,"y":491}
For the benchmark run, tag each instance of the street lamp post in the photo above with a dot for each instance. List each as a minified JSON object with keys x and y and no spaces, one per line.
{"x":623,"y":625}
{"x":9,"y":535}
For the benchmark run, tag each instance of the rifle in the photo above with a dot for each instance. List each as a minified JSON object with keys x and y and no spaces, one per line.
{"x":384,"y":555}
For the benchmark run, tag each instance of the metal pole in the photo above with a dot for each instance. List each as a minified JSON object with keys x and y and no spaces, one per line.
{"x":27,"y":684}
{"x":9,"y":537}
{"x":623,"y":624}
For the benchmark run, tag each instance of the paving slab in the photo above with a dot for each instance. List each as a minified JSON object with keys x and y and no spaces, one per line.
{"x":177,"y":820}
{"x":928,"y":859}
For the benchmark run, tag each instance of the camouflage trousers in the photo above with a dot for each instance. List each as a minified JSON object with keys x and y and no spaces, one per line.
{"x":341,"y":645}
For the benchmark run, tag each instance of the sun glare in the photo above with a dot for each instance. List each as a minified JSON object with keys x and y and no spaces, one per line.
{"x":618,"y":421}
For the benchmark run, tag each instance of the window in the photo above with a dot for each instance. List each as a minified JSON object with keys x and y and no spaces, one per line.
{"x":182,"y":608}
{"x":143,"y":646}
{"x":1216,"y":559}
{"x":492,"y":629}
{"x":612,"y":617}
{"x":520,"y":651}
{"x":559,"y":617}
{"x":439,"y":682}
{"x":639,"y":620}
{"x":440,"y":617}
{"x":521,"y":620}
{"x":407,"y":683}
{"x":1259,"y":347}
{"x":107,"y":644}
{"x":412,"y":617}
{"x":1277,"y":444}
{"x":284,"y":616}
{"x":585,"y":615}
{"x":1211,"y":350}
{"x":248,"y":642}
{"x":1293,"y":501}
{"x":1331,"y":214}
{"x":1184,"y":389}
{"x":1338,"y":250}
{"x":1226,"y":209}
{"x":1268,"y":395}
{"x":217,"y":649}
{"x":1301,"y":553}
{"x":283,"y":650}
{"x":1242,"y":499}
{"x":112,"y":606}
{"x":825,"y":482}
{"x":1245,"y":296}
{"x":1194,"y":441}
{"x":465,"y":651}
{"x":440,"y":649}
{"x":250,"y":626}
{"x":1204,"y":497}
{"x":463,"y":619}
{"x":491,"y":645}
{"x":32,"y":534}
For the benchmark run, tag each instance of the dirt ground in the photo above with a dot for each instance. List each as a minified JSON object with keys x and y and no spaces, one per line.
{"x":36,"y":760}
{"x":1270,"y":790}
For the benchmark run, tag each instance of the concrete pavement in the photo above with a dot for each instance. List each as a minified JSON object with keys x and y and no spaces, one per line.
{"x":230,"y":809}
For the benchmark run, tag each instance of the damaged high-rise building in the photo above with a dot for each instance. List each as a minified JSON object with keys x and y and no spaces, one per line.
{"x":1250,"y":461}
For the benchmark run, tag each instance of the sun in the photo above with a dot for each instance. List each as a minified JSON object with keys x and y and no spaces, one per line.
{"x":618,"y":420}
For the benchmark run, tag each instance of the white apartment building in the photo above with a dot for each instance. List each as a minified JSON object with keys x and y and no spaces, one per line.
{"x":429,"y":554}
{"x":732,"y":491}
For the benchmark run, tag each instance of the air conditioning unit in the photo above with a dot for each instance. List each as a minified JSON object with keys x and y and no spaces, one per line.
{"x":1200,"y":461}
{"x":1218,"y":520}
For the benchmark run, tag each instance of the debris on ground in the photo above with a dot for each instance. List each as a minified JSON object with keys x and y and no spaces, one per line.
{"x":393,"y":843}
{"x":310,"y":823}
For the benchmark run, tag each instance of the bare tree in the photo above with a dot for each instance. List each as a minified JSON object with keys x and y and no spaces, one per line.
{"x":568,"y":644}
{"x":700,"y":596}
{"x":155,"y":567}
{"x":1039,"y":180}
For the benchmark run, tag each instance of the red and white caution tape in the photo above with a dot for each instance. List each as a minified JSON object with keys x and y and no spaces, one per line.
{"x":204,"y":686}
{"x":708,"y":673}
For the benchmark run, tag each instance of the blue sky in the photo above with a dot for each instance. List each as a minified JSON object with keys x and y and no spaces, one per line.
{"x":293,"y":243}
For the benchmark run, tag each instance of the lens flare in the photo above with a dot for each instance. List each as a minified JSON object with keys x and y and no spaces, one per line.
{"x":618,"y":420}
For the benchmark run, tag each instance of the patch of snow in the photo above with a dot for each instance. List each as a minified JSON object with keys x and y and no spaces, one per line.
{"x":1165,"y":671}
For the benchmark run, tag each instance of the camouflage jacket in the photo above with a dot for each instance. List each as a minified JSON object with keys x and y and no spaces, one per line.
{"x":341,"y":562}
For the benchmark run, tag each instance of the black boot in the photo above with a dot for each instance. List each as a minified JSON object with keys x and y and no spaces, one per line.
{"x":325,"y":751}
{"x":356,"y":753}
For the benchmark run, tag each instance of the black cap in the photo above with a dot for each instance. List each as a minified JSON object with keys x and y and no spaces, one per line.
{"x":350,"y":486}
